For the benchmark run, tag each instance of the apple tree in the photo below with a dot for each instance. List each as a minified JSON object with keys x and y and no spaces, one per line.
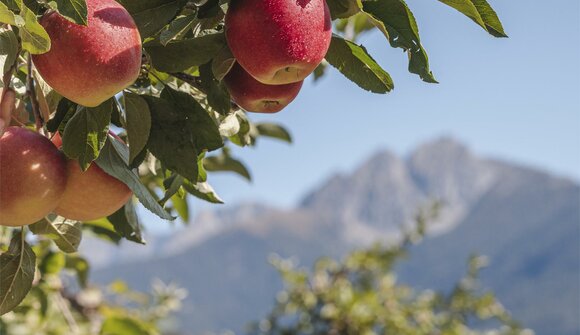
{"x":105,"y":104}
{"x":362,"y":295}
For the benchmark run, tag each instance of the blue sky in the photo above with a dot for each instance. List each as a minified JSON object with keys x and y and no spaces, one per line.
{"x":516,"y":99}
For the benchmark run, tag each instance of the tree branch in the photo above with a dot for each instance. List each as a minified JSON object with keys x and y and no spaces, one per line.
{"x":194,"y":81}
{"x":70,"y":320}
{"x":31,"y":92}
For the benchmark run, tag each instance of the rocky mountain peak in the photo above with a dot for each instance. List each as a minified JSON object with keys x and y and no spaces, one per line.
{"x":386,"y":190}
{"x":448,"y":170}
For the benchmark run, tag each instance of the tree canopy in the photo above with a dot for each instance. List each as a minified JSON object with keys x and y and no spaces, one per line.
{"x":177,"y":121}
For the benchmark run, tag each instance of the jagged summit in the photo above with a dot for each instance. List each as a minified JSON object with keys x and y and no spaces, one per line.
{"x":386,"y":190}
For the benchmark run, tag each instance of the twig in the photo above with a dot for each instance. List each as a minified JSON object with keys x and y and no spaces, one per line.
{"x":195,"y":82}
{"x":31,"y":92}
{"x":15,"y":119}
{"x":72,"y":324}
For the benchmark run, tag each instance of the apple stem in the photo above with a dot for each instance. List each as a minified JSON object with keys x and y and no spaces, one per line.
{"x":191,"y":80}
{"x":31,"y":92}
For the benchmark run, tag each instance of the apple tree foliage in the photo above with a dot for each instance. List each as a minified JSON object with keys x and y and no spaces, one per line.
{"x":177,"y":118}
{"x":361,"y":295}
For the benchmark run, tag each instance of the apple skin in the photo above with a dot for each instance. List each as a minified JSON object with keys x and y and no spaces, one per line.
{"x":90,"y":194}
{"x":33,"y":177}
{"x":278,"y":42}
{"x":254,"y":96}
{"x":89,"y":64}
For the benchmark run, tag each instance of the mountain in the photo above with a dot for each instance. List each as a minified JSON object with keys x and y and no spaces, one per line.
{"x":528,"y":225}
{"x":525,"y":221}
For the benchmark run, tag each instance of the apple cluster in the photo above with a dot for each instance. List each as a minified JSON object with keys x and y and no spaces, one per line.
{"x":88,"y":65}
{"x":36,"y":179}
{"x":277,"y":44}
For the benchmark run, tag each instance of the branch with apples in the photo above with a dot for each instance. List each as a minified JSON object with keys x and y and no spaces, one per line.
{"x":105,"y":104}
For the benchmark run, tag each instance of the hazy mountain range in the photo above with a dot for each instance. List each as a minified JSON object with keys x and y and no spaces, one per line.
{"x":526,"y":221}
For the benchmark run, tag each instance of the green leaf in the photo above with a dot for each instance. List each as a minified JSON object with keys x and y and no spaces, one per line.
{"x":177,"y":27}
{"x":357,"y":65}
{"x":64,"y":112}
{"x":170,"y":138}
{"x":8,"y":49}
{"x":245,"y":135}
{"x":138,"y":124}
{"x":86,"y":132}
{"x":229,"y":125}
{"x":180,"y":55}
{"x":113,"y":160}
{"x":127,"y":224}
{"x":66,"y":234}
{"x":467,"y":8}
{"x":9,"y":17}
{"x":103,"y":229}
{"x":48,"y":98}
{"x":340,"y":9}
{"x":354,"y":26}
{"x":202,"y":173}
{"x":218,"y":96}
{"x":396,"y":19}
{"x":203,"y":191}
{"x":492,"y":23}
{"x":17,"y":267}
{"x":34,"y":38}
{"x":181,"y":129}
{"x":222,"y":63}
{"x":225,"y":162}
{"x":320,"y":70}
{"x":172,"y":186}
{"x":210,"y":9}
{"x":42,"y":297}
{"x":152,"y":15}
{"x":80,"y":266}
{"x":52,"y":263}
{"x":73,"y":10}
{"x":13,"y":5}
{"x":205,"y":133}
{"x":181,"y":206}
{"x":274,"y":131}
{"x":481,"y":13}
{"x":123,"y":325}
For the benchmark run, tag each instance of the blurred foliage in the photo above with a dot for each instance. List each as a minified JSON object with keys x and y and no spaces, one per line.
{"x":61,"y":301}
{"x":360,"y":295}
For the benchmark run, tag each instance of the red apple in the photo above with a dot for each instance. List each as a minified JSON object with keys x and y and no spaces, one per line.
{"x":278,"y":42}
{"x":254,"y":96}
{"x":90,"y":194}
{"x":89,"y":64}
{"x":32,"y":177}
